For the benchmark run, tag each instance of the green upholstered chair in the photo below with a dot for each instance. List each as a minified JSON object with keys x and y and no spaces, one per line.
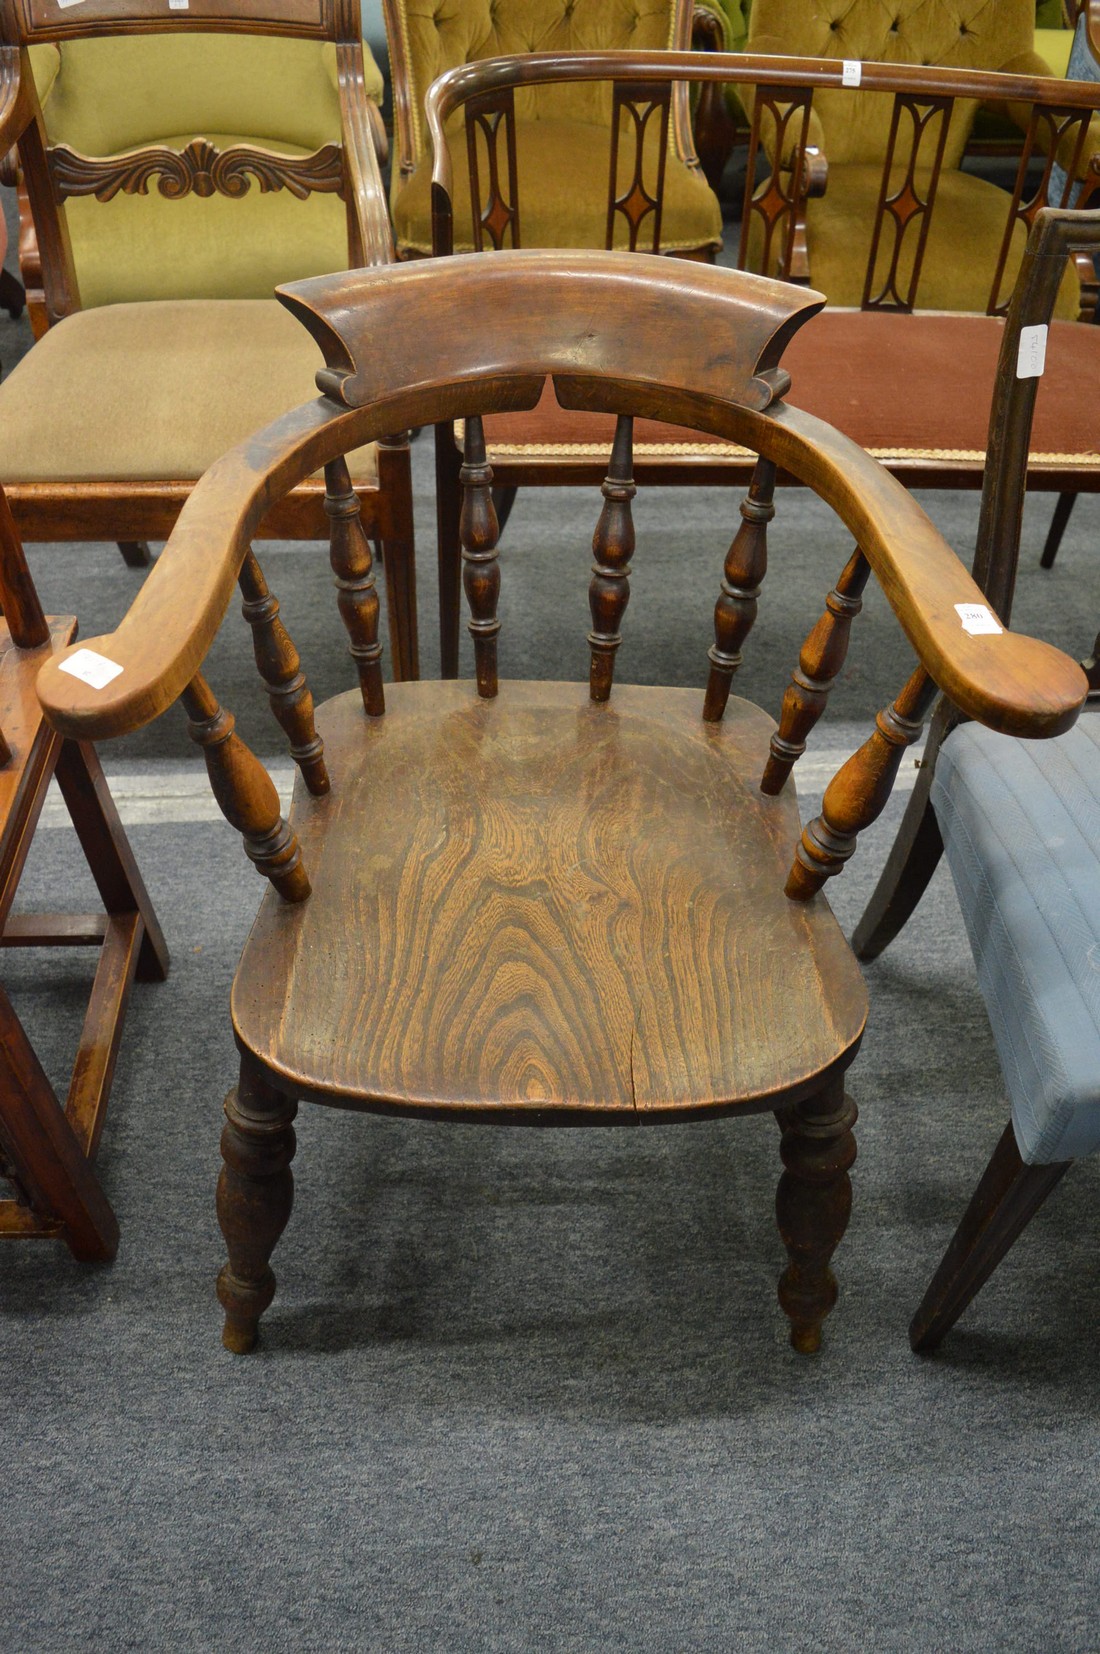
{"x":562,"y":132}
{"x":177,"y":165}
{"x":852,"y":136}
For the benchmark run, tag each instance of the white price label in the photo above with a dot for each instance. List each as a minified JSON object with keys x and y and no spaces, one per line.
{"x":91,"y":668}
{"x":63,"y":5}
{"x":851,"y":72}
{"x":178,"y":5}
{"x":1031,"y":357}
{"x":977,"y":619}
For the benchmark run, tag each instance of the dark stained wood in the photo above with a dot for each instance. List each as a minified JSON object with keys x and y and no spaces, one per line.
{"x":356,"y":597}
{"x":812,"y":1205}
{"x":823,"y":654}
{"x":1005,"y":1201}
{"x":480,"y":568}
{"x":903,"y":214}
{"x":200,"y":166}
{"x":1054,"y":235}
{"x":513,"y":944}
{"x":245,"y":792}
{"x":255,"y":1196}
{"x":46,"y":1150}
{"x":280,"y":667}
{"x":613,"y":547}
{"x":495,"y":211}
{"x":635,"y":202}
{"x":745,"y":568}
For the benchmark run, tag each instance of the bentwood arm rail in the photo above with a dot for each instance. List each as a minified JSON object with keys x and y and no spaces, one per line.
{"x":370,"y":326}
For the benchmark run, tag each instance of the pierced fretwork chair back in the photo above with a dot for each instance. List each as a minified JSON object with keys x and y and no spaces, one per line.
{"x":170,"y":170}
{"x":618,"y":336}
{"x":924,"y":100}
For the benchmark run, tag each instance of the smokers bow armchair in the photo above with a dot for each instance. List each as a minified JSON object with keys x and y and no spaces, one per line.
{"x":188,"y":160}
{"x":554,"y":903}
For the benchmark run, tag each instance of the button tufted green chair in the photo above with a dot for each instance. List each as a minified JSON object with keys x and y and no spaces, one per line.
{"x":179,"y":164}
{"x":852,"y":135}
{"x":562,"y":132}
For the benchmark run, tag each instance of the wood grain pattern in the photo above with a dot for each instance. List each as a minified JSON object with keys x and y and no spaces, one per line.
{"x":539,"y":905}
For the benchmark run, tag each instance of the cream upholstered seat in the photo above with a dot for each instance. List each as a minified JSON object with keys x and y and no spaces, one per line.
{"x":209,"y":373}
{"x":178,"y":167}
{"x":563,"y":131}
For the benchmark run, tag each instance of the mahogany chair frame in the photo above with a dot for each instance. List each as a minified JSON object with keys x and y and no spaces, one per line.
{"x":620,"y":334}
{"x":784,"y":88}
{"x":134,"y":512}
{"x":46,"y":1148}
{"x":1056,"y":235}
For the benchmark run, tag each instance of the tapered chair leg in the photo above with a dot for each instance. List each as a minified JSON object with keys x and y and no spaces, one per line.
{"x":1063,"y":511}
{"x":812,"y":1206}
{"x":255,"y":1196}
{"x":1004,"y":1202}
{"x":135,"y":554}
{"x":913,"y":858}
{"x":448,"y":497}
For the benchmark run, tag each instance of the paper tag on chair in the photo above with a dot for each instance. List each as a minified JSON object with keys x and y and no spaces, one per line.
{"x":1031,"y":357}
{"x":91,"y":668}
{"x":851,"y":72}
{"x":977,"y":619}
{"x":63,"y":5}
{"x":178,"y":5}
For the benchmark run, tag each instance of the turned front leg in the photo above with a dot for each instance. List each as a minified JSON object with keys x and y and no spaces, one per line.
{"x":812,"y":1206}
{"x":255,"y":1196}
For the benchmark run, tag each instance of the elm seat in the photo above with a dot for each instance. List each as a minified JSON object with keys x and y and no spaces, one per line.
{"x":1021,"y":831}
{"x":568,"y":208}
{"x":209,"y":373}
{"x":501,"y":822}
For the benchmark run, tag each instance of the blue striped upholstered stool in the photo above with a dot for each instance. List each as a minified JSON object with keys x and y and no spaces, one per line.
{"x":1021,"y":830}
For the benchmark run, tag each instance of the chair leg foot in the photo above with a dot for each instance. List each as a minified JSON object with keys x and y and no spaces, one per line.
{"x":1005,"y":1201}
{"x":255,"y":1196}
{"x":812,"y":1207}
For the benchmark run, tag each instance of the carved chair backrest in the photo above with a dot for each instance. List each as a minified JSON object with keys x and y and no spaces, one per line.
{"x":226,"y":100}
{"x":694,"y":344}
{"x":962,"y":34}
{"x":426,"y":40}
{"x":920,"y":101}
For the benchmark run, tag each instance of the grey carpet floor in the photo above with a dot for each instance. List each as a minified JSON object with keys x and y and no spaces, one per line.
{"x":532,"y":1390}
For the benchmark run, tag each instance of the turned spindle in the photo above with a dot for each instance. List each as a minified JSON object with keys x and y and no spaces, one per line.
{"x":245,"y":792}
{"x":356,"y":597}
{"x":478,"y":533}
{"x":859,"y":790}
{"x":823,"y":654}
{"x":613,"y":547}
{"x":745,"y":567}
{"x":280,"y":667}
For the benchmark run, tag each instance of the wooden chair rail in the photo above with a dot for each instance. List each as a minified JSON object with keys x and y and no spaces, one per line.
{"x":44,"y":20}
{"x":1058,"y":115}
{"x":1014,"y":683}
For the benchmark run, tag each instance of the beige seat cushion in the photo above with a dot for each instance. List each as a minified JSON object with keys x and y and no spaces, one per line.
{"x":155,"y":392}
{"x":563,"y":171}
